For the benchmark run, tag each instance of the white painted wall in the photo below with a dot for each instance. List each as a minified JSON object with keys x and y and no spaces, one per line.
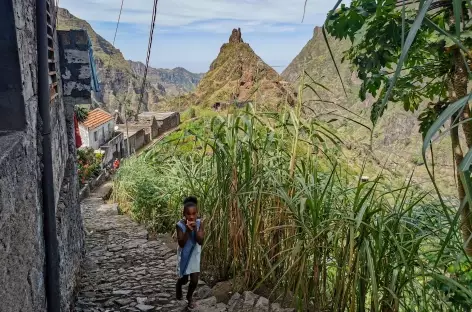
{"x":97,"y":137}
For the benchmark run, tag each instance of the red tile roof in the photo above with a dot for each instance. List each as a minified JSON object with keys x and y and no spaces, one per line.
{"x":96,"y":118}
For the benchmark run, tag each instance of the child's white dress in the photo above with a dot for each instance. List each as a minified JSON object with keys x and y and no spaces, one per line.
{"x":188,"y":258}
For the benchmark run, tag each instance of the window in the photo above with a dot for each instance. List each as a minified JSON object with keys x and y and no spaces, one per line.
{"x":95,"y":136}
{"x":53,"y":81}
{"x":103,"y":133}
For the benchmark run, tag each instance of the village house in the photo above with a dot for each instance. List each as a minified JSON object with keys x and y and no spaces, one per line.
{"x":135,"y":135}
{"x":150,"y":125}
{"x":167,"y":121}
{"x":41,"y":227}
{"x":97,"y":129}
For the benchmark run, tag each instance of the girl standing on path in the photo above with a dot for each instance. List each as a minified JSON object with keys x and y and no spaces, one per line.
{"x":190,"y":238}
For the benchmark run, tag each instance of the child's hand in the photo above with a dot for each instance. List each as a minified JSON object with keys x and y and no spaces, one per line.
{"x":191,"y":225}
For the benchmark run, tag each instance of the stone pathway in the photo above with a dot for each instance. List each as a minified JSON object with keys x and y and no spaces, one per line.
{"x":123,"y":271}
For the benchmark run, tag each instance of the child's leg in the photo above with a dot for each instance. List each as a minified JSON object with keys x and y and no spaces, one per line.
{"x":193,"y":285}
{"x":180,"y":282}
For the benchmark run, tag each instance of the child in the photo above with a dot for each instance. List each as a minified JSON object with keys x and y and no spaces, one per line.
{"x":190,"y":237}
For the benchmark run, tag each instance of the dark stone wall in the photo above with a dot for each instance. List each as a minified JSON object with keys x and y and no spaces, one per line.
{"x":11,"y":98}
{"x":22,"y":258}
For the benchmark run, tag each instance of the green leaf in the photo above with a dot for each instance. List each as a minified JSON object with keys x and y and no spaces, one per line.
{"x":404,"y":54}
{"x":442,"y":119}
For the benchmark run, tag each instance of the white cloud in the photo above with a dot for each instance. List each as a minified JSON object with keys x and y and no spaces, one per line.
{"x":178,"y":13}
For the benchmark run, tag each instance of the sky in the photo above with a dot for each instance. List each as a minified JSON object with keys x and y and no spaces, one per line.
{"x":189,"y":33}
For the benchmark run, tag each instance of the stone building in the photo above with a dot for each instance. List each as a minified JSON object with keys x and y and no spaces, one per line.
{"x":135,"y":135}
{"x":165,"y":121}
{"x":41,"y":230}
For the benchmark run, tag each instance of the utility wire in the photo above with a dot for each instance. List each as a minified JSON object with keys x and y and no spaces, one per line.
{"x":118,"y":23}
{"x":151,"y":35}
{"x":114,"y":37}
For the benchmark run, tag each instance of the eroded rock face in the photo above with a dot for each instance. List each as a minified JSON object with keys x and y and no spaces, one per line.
{"x":236,"y":36}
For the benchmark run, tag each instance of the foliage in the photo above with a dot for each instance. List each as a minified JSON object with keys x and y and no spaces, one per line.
{"x":81,"y":113}
{"x":378,"y":32}
{"x":281,"y":211}
{"x":89,"y":164}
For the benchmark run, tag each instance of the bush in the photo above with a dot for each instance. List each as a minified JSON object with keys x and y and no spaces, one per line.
{"x":282,"y":214}
{"x":89,"y":164}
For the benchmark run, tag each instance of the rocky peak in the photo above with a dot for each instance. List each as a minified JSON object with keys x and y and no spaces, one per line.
{"x":236,"y":36}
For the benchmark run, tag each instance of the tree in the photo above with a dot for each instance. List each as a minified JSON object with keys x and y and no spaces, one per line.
{"x":431,"y":67}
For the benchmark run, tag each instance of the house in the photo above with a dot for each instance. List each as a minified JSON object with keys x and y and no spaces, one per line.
{"x":165,"y":121}
{"x":41,"y":227}
{"x":150,"y":124}
{"x":135,"y":135}
{"x":97,"y":129}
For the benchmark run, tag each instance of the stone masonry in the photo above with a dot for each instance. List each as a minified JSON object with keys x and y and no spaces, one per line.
{"x":22,"y":256}
{"x":123,"y":271}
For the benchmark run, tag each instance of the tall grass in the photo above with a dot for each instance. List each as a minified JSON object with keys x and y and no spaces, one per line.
{"x":283,"y":212}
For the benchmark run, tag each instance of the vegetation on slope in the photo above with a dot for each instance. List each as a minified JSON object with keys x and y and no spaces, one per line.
{"x":283,"y":212}
{"x":238,"y":75}
{"x":396,"y":141}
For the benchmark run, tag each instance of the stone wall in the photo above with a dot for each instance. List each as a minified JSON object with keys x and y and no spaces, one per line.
{"x":22,"y":256}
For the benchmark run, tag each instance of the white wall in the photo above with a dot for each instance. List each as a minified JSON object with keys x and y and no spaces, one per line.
{"x":97,"y":137}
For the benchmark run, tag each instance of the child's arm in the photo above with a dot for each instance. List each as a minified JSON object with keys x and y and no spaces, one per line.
{"x":200,"y":234}
{"x":181,"y":237}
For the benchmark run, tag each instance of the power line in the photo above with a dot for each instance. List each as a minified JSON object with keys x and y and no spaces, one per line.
{"x":118,"y":23}
{"x":114,"y":37}
{"x":151,"y":35}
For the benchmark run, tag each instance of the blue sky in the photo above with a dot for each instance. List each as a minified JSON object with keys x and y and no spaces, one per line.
{"x":189,"y":33}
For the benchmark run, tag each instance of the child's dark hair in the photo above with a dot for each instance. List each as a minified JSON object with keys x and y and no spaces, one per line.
{"x":189,"y":202}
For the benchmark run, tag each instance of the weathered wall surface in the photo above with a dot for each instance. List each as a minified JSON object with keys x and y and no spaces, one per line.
{"x":22,"y":258}
{"x":21,"y":230}
{"x":75,"y":66}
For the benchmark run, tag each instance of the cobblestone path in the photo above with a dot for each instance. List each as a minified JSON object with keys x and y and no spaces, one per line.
{"x":123,"y":271}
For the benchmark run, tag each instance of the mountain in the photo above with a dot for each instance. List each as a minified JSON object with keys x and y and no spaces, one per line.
{"x":239,"y":75}
{"x":175,"y":81}
{"x":396,"y":141}
{"x":121,"y":80}
{"x":117,"y":80}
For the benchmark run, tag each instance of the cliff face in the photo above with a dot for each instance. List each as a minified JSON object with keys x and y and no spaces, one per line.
{"x":175,"y":81}
{"x":396,"y":141}
{"x":239,"y":75}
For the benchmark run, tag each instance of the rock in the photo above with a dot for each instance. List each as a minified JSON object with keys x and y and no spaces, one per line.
{"x":236,"y":36}
{"x":143,"y":307}
{"x":141,"y":300}
{"x":124,"y":301}
{"x":223,"y":291}
{"x":122,"y":292}
{"x":249,"y":300}
{"x":275,"y":307}
{"x":262,"y":305}
{"x":209,"y":305}
{"x":235,"y":303}
{"x":204,"y":292}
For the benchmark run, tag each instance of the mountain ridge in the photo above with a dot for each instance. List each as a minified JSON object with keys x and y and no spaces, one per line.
{"x":176,"y":81}
{"x":239,"y":75}
{"x":394,"y":145}
{"x":121,"y":85}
